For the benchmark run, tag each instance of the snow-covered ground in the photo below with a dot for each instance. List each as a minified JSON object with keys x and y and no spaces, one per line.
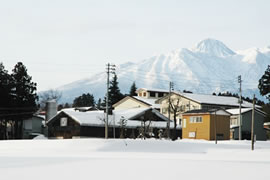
{"x":76,"y":159}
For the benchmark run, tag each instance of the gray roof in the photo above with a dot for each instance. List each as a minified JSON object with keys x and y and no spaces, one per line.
{"x":214,"y":100}
{"x":244,"y":110}
{"x":154,"y":90}
{"x":208,"y":111}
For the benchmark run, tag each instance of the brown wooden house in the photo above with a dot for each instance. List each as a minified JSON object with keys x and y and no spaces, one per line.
{"x":73,"y":124}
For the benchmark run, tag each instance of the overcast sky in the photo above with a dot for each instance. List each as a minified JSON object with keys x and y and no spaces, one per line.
{"x":60,"y":41}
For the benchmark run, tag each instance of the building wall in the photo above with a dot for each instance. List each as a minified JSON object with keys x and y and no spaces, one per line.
{"x":184,"y":105}
{"x":58,"y":131}
{"x":201,"y":129}
{"x":130,"y":103}
{"x":143,"y":93}
{"x":222,"y":125}
{"x":206,"y":128}
{"x":259,"y":131}
{"x":32,"y":125}
{"x":151,"y":94}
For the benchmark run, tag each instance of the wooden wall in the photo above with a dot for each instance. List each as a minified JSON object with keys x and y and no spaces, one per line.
{"x":55,"y":130}
{"x":222,"y":127}
{"x":206,"y":129}
{"x":201,"y":129}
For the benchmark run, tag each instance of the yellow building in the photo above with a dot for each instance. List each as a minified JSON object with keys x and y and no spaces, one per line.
{"x":206,"y":124}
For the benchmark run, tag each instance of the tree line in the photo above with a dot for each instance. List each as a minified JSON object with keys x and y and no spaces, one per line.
{"x":88,"y":99}
{"x":18,"y":99}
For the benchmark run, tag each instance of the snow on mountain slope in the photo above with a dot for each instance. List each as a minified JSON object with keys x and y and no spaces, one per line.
{"x":213,"y":47}
{"x":210,"y":66}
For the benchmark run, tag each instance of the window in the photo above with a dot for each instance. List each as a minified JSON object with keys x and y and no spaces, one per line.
{"x":182,"y":108}
{"x":184,"y":123}
{"x":140,"y":94}
{"x":195,"y":119}
{"x":192,"y":134}
{"x":152,"y":94}
{"x":234,"y":121}
{"x":178,"y":121}
{"x":164,"y":110}
{"x":144,"y":94}
{"x":63,"y":121}
{"x":160,"y":94}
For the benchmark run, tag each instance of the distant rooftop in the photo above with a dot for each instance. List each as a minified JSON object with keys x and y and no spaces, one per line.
{"x":212,"y":99}
{"x":153,"y":90}
{"x":243,"y":110}
{"x":208,"y":111}
{"x":151,"y":102}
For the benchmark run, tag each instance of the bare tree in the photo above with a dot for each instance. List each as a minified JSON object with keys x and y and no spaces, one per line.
{"x":175,"y":107}
{"x":146,"y":121}
{"x":49,"y":95}
{"x":123,"y":124}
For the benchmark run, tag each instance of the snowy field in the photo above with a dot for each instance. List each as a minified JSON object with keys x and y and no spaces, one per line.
{"x":132,"y":159}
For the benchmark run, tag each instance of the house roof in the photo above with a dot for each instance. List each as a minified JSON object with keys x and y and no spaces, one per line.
{"x":266,"y":123}
{"x":86,"y":108}
{"x":148,"y":102}
{"x":208,"y":111}
{"x":244,"y":110}
{"x":152,"y":90}
{"x":211,"y":99}
{"x":96,"y":118}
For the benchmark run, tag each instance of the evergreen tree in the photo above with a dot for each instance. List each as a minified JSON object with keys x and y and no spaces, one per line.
{"x":67,"y":105}
{"x":5,"y":92}
{"x":23,"y":97}
{"x":60,"y":107}
{"x":114,"y":92}
{"x":264,"y":84}
{"x":99,"y":103}
{"x":84,"y":100}
{"x":5,"y":87}
{"x":23,"y":89}
{"x":133,"y":89}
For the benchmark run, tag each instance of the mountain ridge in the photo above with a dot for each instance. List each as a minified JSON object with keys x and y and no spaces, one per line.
{"x":210,"y":67}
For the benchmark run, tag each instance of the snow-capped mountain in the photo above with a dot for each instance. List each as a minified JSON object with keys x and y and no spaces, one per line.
{"x":210,"y":66}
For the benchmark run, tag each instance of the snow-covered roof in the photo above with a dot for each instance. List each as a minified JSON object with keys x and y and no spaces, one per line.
{"x":243,"y":110}
{"x":40,"y":116}
{"x":96,"y":118}
{"x":212,"y":99}
{"x":153,"y":90}
{"x":266,"y":123}
{"x":208,"y":111}
{"x":151,"y":102}
{"x":236,"y":110}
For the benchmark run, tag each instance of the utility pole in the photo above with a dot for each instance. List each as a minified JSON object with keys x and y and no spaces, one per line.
{"x":169,"y":110}
{"x":216,"y":126}
{"x":240,"y":106}
{"x":252,"y":124}
{"x":109,"y":69}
